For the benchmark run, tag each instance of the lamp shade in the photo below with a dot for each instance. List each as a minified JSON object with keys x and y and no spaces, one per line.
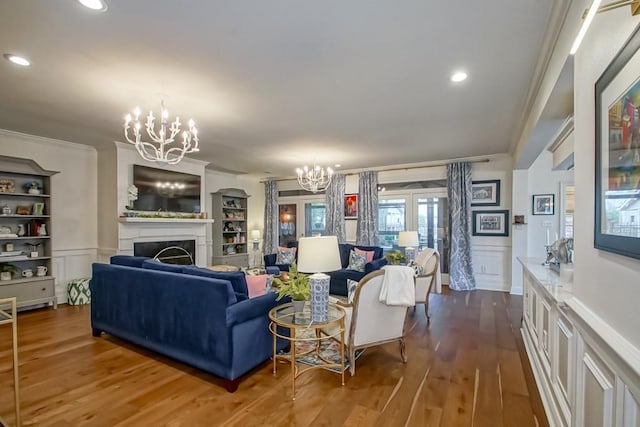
{"x":318,"y":254}
{"x":408,"y":239}
{"x":255,"y":234}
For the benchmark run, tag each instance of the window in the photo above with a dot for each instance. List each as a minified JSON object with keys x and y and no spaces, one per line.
{"x":391,"y":221}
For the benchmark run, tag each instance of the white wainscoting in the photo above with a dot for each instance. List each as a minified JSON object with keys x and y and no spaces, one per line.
{"x":587,"y":373}
{"x":69,"y":264}
{"x":492,"y":267}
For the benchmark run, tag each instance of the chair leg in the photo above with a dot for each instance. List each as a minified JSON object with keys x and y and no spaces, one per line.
{"x":426,"y":311}
{"x":352,"y":361}
{"x":403,"y":354}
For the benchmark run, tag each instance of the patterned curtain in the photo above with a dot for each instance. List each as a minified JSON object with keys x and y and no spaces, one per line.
{"x":367,"y":228}
{"x":459,"y":194}
{"x":270,"y":235}
{"x":334,"y":200}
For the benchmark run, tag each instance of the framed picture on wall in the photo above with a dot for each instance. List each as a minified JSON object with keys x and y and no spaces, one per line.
{"x":485,"y":193}
{"x":617,"y":193}
{"x":491,"y":223}
{"x":350,"y":206}
{"x":543,"y":204}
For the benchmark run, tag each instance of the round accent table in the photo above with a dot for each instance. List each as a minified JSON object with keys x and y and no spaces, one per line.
{"x":303,"y":330}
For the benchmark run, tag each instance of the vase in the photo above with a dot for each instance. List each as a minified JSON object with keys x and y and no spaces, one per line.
{"x":34,"y":191}
{"x":298,"y":306}
{"x":20,"y":230}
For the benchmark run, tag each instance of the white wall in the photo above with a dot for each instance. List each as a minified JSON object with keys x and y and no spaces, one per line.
{"x":543,"y":180}
{"x":74,"y":200}
{"x":608,"y":284}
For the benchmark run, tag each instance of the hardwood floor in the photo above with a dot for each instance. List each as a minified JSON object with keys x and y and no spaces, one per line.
{"x":466,"y":369}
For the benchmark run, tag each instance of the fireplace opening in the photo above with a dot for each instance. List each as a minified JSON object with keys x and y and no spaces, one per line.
{"x":169,"y":252}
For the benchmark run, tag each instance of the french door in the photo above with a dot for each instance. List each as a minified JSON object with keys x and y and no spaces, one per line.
{"x":301,"y":217}
{"x":425,"y":211}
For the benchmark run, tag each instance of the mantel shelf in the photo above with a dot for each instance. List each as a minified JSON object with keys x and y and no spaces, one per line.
{"x":160,"y":220}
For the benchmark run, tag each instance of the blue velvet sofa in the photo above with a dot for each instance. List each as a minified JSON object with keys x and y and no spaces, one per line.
{"x":339,"y":278}
{"x":184,"y":312}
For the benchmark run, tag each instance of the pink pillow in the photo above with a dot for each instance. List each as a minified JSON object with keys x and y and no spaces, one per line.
{"x":368,"y":254}
{"x":257,"y":285}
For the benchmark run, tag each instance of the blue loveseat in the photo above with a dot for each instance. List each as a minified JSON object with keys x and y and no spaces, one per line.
{"x":185,"y":313}
{"x":339,"y":278}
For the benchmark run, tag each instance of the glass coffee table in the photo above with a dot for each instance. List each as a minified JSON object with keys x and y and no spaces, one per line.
{"x":303,"y":330}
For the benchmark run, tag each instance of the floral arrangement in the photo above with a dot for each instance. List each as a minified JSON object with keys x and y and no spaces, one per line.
{"x":395,"y":257}
{"x":297,"y":287}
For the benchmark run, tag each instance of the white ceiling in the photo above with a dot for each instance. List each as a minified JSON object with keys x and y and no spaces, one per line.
{"x":275,"y":84}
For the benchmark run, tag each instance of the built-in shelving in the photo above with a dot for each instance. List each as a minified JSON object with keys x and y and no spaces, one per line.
{"x":26,"y":234}
{"x":230,"y":245}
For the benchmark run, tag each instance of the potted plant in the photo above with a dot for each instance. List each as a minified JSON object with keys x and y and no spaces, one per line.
{"x":33,"y":187}
{"x":297,"y":287}
{"x":7,"y":271}
{"x":395,"y":257}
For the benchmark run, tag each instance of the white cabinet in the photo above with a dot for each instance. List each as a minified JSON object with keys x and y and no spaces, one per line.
{"x":587,"y":374}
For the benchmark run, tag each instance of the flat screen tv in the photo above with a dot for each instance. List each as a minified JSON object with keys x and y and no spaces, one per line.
{"x":166,"y":191}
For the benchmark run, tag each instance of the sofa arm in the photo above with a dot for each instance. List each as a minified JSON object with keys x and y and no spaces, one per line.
{"x":252,"y":308}
{"x":374,"y":265}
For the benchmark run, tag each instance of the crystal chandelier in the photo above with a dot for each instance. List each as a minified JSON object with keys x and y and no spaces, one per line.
{"x":314,"y":179}
{"x":157,"y":151}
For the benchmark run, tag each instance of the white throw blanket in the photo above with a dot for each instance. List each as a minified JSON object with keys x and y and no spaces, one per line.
{"x":398,"y":286}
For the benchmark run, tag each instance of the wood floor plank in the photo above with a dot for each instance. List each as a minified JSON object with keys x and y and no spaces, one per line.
{"x":466,"y":365}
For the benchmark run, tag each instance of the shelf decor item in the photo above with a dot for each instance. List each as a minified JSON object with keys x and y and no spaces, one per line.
{"x":7,"y":186}
{"x":617,"y":166}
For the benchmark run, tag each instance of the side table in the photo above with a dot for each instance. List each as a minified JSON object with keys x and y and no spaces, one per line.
{"x":8,"y":314}
{"x":285,"y":316}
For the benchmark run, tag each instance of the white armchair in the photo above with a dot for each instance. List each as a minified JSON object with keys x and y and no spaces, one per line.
{"x":429,"y":260}
{"x":368,"y":322}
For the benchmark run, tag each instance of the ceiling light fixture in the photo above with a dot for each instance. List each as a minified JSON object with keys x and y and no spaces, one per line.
{"x":160,"y":154}
{"x":458,"y":76}
{"x":589,"y":14}
{"x":314,"y":179}
{"x":18,"y":60}
{"x":97,"y":5}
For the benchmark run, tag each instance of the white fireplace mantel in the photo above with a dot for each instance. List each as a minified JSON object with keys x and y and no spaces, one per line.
{"x":133,"y":230}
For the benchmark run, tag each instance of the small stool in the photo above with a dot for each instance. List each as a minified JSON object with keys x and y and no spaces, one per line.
{"x":78,"y":292}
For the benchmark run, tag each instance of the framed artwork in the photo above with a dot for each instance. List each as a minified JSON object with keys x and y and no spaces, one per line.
{"x":23,"y":210}
{"x":485,"y":193}
{"x":543,"y":204}
{"x":617,"y":193}
{"x":350,"y":206}
{"x":38,"y":209}
{"x":491,"y":223}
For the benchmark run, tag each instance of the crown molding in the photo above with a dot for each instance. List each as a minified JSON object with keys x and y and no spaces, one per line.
{"x":46,"y":141}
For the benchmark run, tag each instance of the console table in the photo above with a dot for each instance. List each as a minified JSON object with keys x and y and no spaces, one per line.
{"x":8,"y":317}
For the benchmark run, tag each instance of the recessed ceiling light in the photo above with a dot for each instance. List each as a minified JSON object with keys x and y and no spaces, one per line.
{"x":337,"y":165}
{"x":98,"y":5}
{"x":458,"y":76}
{"x":18,"y":60}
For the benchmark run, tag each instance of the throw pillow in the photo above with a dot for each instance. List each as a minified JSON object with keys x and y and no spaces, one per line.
{"x":285,"y":255}
{"x":351,"y":290}
{"x":368,"y":254}
{"x":417,"y":269}
{"x":356,"y":261}
{"x":257,"y":285}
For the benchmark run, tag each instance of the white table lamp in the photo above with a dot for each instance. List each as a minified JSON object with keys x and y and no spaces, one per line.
{"x":409,"y":240}
{"x":317,"y":255}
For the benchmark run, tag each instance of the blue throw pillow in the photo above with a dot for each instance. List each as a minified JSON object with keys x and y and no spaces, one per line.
{"x":356,"y":261}
{"x":286,"y":255}
{"x":351,"y":288}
